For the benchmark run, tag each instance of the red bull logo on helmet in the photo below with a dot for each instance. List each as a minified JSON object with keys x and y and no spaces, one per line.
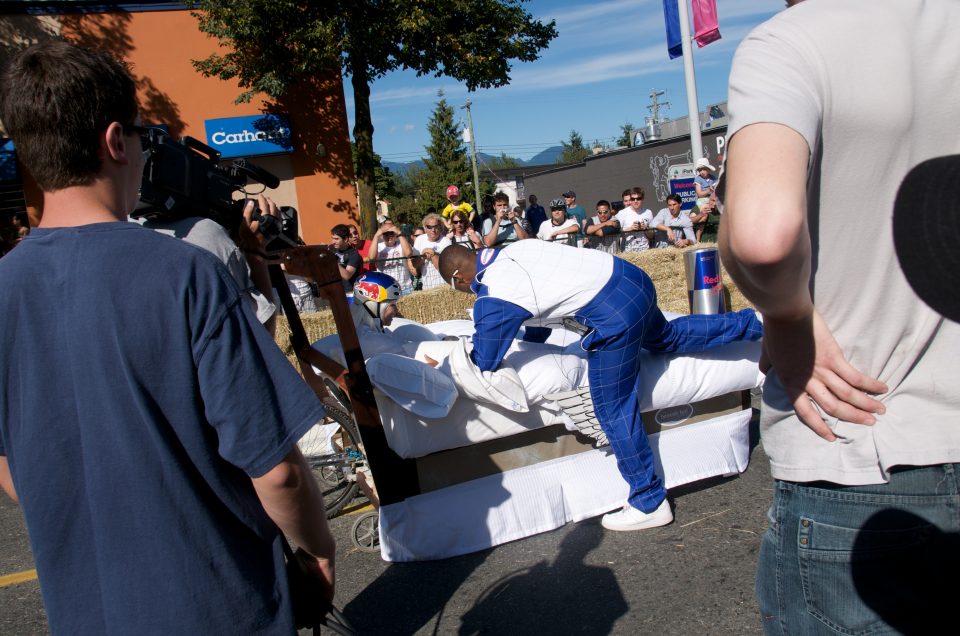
{"x":370,"y":291}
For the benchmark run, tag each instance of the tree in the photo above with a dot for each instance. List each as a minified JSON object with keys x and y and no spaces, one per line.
{"x":446,"y":160}
{"x":275,"y":45}
{"x":625,"y":139}
{"x":573,"y":149}
{"x":384,"y":181}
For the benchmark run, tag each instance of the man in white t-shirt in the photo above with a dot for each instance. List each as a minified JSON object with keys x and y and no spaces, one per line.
{"x":673,"y":226}
{"x":634,"y":220}
{"x":862,"y":403}
{"x":559,"y":227}
{"x":429,"y":245}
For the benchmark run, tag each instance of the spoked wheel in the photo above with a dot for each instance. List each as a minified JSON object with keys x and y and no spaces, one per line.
{"x":334,"y":453}
{"x":366,"y":532}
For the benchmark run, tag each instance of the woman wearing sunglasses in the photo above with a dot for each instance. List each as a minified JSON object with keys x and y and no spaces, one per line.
{"x":428,"y":246}
{"x":462,"y":232}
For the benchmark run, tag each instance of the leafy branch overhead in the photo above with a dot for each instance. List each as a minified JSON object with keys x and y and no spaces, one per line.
{"x":271,"y":46}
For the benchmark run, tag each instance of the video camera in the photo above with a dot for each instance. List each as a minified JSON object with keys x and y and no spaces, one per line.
{"x":184,"y":178}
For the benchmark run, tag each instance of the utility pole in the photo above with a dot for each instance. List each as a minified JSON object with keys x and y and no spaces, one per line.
{"x":473,"y":159}
{"x":655,"y":106}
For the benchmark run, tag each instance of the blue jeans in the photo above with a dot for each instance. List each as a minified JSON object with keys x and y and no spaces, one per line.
{"x":862,"y":559}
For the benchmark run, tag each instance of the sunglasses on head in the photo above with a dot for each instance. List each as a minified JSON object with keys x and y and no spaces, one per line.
{"x":431,"y":227}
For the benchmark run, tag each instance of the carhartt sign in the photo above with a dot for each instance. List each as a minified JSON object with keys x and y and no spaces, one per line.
{"x":249,"y":136}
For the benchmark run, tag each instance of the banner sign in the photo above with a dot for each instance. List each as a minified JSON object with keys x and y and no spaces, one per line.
{"x":684,"y":188}
{"x":249,"y":136}
{"x":8,"y":161}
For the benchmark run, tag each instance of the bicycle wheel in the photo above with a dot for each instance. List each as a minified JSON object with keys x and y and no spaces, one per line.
{"x":365,"y":533}
{"x":334,"y":453}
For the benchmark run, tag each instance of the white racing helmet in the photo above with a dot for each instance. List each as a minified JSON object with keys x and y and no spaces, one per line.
{"x":375,"y":289}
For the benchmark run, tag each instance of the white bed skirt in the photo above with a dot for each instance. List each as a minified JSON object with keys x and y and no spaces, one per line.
{"x":492,"y":510}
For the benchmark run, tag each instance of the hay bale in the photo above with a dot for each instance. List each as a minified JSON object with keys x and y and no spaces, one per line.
{"x":665,"y":268}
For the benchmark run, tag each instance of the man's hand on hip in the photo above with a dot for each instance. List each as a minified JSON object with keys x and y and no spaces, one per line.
{"x":814,"y":372}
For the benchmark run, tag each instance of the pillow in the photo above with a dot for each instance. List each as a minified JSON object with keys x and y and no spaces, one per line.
{"x":410,"y":331}
{"x":415,"y":386}
{"x":501,"y":387}
{"x":545,"y":368}
{"x":330,"y":347}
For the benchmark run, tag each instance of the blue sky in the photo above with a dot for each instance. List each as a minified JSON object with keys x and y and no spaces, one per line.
{"x":596,"y":75}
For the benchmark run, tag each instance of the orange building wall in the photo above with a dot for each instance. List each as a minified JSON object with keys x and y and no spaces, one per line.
{"x":160,"y":45}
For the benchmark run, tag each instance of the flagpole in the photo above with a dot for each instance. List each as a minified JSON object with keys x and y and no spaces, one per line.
{"x":693,"y":106}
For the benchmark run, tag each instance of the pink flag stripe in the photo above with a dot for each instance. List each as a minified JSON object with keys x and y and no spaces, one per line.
{"x":705,"y":25}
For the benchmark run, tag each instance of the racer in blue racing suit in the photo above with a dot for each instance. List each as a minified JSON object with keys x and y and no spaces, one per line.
{"x":539,"y":284}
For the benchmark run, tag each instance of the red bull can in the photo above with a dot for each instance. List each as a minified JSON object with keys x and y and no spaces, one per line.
{"x":704,"y":288}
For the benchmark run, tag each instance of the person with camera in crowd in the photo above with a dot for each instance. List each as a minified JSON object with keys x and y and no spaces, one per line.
{"x":148,"y":424}
{"x":390,"y":251}
{"x":506,"y":226}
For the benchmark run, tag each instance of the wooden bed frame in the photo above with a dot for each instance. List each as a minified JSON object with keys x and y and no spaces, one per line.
{"x":395,"y":477}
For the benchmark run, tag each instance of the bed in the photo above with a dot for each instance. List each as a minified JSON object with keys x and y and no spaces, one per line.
{"x":487,"y":471}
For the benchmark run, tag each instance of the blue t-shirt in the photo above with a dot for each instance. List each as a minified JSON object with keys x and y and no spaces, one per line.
{"x":709,"y":182}
{"x":139,"y":395}
{"x":578,"y":213}
{"x":536,"y":215}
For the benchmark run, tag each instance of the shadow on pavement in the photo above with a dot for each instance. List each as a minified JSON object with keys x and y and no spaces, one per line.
{"x":407,"y":596}
{"x":564,"y":597}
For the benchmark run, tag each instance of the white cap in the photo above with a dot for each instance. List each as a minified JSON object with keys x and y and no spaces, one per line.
{"x":704,"y":163}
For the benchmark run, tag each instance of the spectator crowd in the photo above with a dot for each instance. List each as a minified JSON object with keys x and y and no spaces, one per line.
{"x":409,"y":253}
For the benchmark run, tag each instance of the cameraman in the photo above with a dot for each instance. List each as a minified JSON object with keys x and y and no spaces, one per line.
{"x":506,"y":225}
{"x":148,"y":424}
{"x":242,"y":253}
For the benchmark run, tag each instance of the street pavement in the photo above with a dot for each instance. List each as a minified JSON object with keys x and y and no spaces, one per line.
{"x":692,"y":577}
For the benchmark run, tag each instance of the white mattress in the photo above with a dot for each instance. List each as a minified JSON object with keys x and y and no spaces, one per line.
{"x":665,"y":380}
{"x":492,"y":510}
{"x":481,"y":513}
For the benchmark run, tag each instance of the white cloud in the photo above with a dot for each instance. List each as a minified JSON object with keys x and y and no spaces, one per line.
{"x":409,"y":94}
{"x":408,"y":127}
{"x":592,"y":10}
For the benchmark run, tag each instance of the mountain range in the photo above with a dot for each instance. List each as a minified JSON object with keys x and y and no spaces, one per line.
{"x":545,"y":157}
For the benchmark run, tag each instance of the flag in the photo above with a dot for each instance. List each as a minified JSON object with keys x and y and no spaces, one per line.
{"x":706,"y":29}
{"x":671,"y":15}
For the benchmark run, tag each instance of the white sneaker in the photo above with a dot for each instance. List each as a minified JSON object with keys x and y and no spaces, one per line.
{"x":629,"y":518}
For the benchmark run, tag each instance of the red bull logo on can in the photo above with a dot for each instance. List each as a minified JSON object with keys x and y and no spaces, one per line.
{"x":704,"y":286}
{"x":370,"y":291}
{"x":707,"y":271}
